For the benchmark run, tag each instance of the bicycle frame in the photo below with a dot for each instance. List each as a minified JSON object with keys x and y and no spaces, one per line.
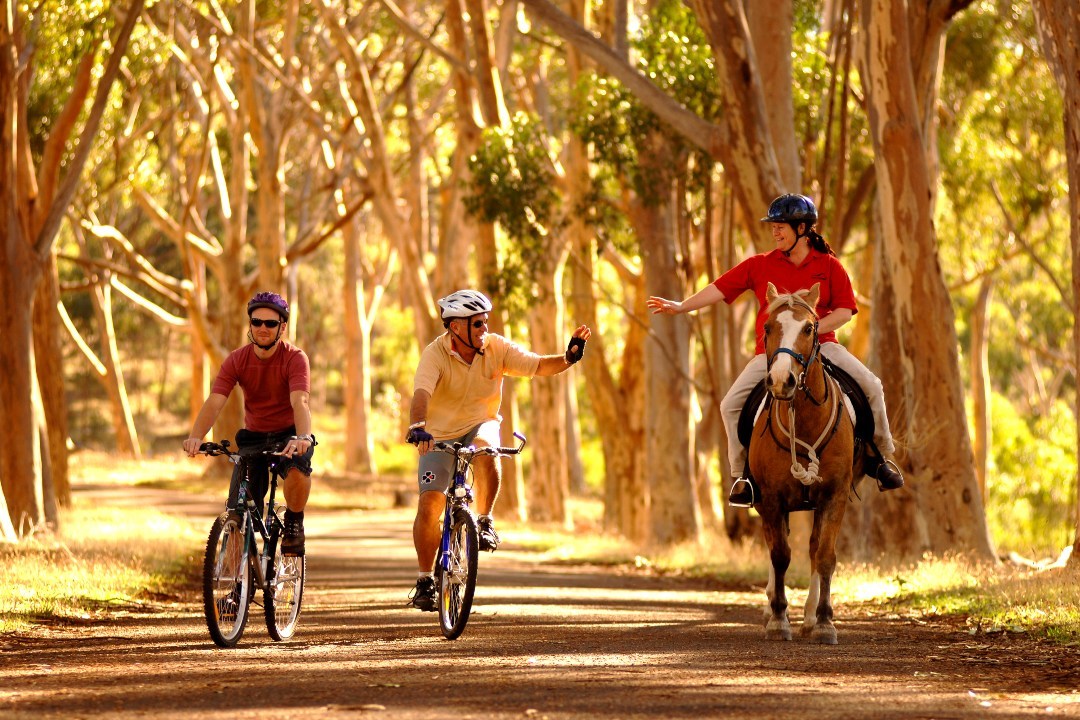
{"x":456,"y":564}
{"x":459,"y":493}
{"x":244,"y":554}
{"x":252,"y":515}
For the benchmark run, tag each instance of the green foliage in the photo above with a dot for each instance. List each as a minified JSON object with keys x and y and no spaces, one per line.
{"x":672,"y":50}
{"x":61,"y":32}
{"x":514,"y":181}
{"x":1031,"y":483}
{"x":514,"y":184}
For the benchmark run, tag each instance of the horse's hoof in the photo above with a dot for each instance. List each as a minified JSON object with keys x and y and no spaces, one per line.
{"x":806,"y":630}
{"x":824,"y":635}
{"x":777,"y":630}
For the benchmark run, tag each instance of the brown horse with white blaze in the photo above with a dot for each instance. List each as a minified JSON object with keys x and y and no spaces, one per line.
{"x":801,"y":456}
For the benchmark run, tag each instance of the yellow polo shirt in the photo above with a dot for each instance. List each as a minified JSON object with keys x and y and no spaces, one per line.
{"x":464,"y":395}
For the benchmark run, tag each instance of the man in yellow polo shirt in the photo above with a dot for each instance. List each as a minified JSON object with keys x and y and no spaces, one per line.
{"x":456,"y":397}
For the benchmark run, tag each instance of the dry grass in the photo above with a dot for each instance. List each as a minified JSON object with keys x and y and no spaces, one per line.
{"x":103,"y":559}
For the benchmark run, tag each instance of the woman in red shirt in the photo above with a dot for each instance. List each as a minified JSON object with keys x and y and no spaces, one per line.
{"x":802,"y":258}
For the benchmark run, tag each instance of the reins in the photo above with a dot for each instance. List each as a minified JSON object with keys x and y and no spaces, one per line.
{"x":809,"y":474}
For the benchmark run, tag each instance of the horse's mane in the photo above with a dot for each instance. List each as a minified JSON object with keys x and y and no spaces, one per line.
{"x":792,"y":300}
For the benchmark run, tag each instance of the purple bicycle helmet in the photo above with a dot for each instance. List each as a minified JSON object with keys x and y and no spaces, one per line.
{"x":270,"y":300}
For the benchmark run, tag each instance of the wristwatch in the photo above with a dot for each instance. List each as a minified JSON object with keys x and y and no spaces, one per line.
{"x":418,"y":425}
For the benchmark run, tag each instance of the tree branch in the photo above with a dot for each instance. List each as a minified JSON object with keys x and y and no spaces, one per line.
{"x":59,"y":205}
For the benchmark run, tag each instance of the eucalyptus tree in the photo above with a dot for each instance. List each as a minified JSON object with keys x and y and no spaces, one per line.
{"x":914,"y":329}
{"x":251,"y":175}
{"x":38,"y":187}
{"x":1059,"y":30}
{"x":1005,"y":256}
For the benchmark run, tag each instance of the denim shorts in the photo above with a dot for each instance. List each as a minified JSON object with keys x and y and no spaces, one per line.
{"x":437,"y":468}
{"x":260,"y":478}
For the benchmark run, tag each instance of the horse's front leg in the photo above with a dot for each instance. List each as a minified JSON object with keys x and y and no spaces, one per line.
{"x":827,"y":528}
{"x":777,"y":626}
{"x":814,"y":591}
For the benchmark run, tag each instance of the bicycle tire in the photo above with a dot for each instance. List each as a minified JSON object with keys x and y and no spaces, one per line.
{"x":284,"y":592}
{"x":227,"y":589}
{"x":457,"y":583}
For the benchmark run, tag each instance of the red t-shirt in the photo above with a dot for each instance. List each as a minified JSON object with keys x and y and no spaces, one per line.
{"x":266,"y":383}
{"x":756,"y":272}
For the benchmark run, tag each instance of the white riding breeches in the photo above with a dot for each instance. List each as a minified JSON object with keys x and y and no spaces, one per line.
{"x":839,"y":356}
{"x":732,"y":404}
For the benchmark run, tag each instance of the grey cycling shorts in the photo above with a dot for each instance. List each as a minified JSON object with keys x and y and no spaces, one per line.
{"x":436,"y":467}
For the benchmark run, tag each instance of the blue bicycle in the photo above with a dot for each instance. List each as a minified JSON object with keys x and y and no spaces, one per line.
{"x":243,"y":552}
{"x":455,"y":565}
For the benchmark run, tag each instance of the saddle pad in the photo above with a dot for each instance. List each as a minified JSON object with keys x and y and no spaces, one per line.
{"x":856,"y":401}
{"x":858,"y":407}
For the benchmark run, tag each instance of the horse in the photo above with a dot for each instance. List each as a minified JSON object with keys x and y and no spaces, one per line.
{"x":802,"y":455}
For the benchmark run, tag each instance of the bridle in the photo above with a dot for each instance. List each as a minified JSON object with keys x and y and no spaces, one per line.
{"x":809,"y":474}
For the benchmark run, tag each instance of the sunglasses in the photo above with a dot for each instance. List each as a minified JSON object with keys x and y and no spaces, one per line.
{"x":256,"y":322}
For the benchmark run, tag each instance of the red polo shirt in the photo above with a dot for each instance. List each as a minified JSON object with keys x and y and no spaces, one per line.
{"x":756,"y":272}
{"x":266,"y":383}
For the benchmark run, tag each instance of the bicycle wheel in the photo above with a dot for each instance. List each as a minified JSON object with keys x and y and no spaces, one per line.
{"x":457,"y":575}
{"x":284,"y":592}
{"x":227,"y":587}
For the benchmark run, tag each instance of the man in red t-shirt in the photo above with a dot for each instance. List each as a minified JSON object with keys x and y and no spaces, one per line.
{"x":276,"y":378}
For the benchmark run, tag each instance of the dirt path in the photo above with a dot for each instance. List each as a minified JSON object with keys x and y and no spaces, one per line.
{"x":544,"y":642}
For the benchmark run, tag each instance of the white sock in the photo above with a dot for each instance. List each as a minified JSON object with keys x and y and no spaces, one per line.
{"x":422,"y":575}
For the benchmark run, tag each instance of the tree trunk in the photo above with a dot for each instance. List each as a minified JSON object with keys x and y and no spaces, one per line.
{"x":980,"y":385}
{"x":359,"y":449}
{"x":617,"y":402}
{"x":127,"y":441}
{"x":574,"y":467}
{"x":674,"y":515}
{"x":770,"y":26}
{"x":49,"y":360}
{"x":1058,"y":23}
{"x":20,"y":463}
{"x":549,"y":482}
{"x":917,"y":339}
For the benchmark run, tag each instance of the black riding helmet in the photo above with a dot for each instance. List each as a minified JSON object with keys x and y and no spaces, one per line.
{"x":792,"y":209}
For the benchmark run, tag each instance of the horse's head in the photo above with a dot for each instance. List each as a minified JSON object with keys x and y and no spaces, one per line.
{"x":791,"y":342}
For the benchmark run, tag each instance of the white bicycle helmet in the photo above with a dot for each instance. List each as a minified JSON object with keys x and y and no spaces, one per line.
{"x":464,"y":304}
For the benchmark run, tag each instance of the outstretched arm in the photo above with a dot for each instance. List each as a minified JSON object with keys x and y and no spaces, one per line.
{"x":555,"y":364}
{"x":704,"y":297}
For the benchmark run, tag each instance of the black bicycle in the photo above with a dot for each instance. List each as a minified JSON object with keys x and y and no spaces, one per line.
{"x":243,"y":554}
{"x":455,"y":566}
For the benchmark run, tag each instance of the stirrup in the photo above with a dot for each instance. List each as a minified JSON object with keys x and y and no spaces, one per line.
{"x":885,"y":463}
{"x":740,"y":489}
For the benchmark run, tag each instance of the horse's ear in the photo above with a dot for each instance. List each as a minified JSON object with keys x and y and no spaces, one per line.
{"x":813,"y":295}
{"x":770,"y":293}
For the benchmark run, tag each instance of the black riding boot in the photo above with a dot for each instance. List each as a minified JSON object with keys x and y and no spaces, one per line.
{"x":886,"y":473}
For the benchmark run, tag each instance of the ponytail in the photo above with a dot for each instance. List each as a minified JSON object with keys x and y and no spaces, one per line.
{"x":819,"y":243}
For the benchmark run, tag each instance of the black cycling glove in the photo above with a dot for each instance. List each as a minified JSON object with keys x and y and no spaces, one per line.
{"x":575,"y":350}
{"x":418,"y":435}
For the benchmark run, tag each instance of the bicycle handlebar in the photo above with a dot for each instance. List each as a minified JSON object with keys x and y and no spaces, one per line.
{"x":222,"y":448}
{"x":471,"y":451}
